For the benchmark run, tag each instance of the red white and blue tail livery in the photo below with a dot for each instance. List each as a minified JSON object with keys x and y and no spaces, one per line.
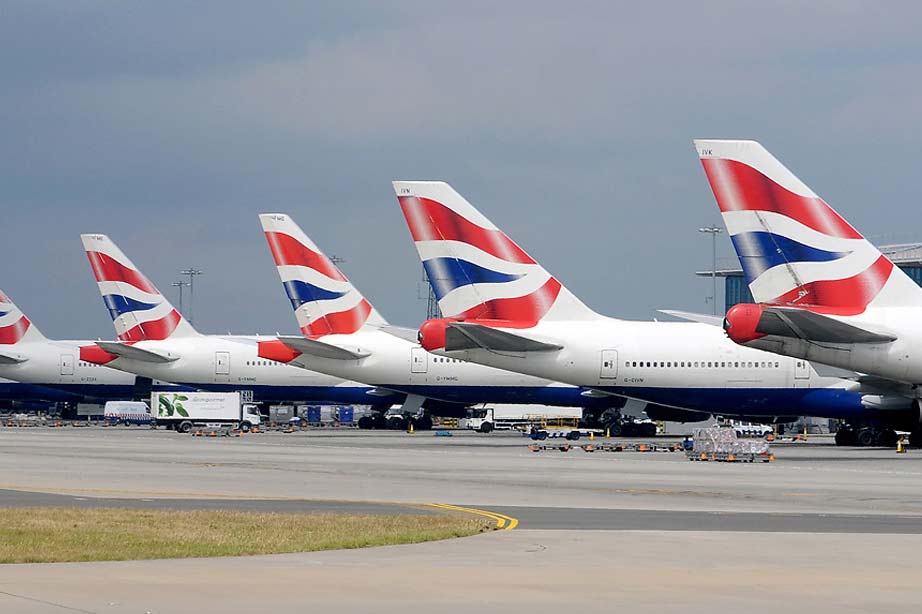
{"x":139,"y":311}
{"x":794,"y":248}
{"x":325,"y":302}
{"x":679,"y":365}
{"x":475,"y":270}
{"x":823,"y":291}
{"x":15,"y":327}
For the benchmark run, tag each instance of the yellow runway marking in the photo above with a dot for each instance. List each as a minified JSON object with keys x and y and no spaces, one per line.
{"x":503,"y":522}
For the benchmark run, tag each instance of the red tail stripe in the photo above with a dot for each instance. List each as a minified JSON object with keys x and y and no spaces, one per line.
{"x":155,"y":330}
{"x":286,"y":250}
{"x":739,"y":187}
{"x":14,"y":332}
{"x":277,"y":351}
{"x":96,"y":355}
{"x":527,"y":309}
{"x":432,"y":221}
{"x":339,"y":323}
{"x":845,"y":297}
{"x":108,"y":269}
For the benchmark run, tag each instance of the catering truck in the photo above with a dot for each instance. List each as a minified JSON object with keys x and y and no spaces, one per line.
{"x":184,"y":410}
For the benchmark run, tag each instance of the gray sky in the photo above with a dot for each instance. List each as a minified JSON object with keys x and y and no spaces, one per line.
{"x":170,"y":125}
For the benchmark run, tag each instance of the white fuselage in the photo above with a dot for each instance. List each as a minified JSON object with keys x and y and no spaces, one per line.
{"x":683,"y":365}
{"x":57,"y":364}
{"x":232,"y":363}
{"x":398,"y":364}
{"x":899,"y":360}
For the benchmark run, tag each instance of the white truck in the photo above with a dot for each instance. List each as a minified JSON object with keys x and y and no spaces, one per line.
{"x":522,"y":417}
{"x":184,"y":410}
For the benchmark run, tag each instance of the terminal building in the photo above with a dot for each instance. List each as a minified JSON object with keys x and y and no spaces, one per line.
{"x":907,"y":256}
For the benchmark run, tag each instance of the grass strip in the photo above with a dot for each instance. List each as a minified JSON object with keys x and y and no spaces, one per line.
{"x":60,"y":534}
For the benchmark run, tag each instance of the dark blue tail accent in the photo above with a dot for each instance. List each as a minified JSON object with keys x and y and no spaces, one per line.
{"x":300,"y":292}
{"x":760,"y":251}
{"x":446,"y":274}
{"x":118,"y":304}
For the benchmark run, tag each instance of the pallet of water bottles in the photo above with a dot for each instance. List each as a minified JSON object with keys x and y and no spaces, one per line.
{"x":607,"y":447}
{"x":724,"y":445}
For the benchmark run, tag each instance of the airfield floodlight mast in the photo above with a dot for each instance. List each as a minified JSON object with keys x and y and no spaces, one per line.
{"x":192,"y":273}
{"x":180,"y":285}
{"x":713,"y":230}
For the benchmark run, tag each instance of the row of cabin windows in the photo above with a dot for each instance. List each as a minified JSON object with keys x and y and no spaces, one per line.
{"x":262,"y":363}
{"x":702,"y":364}
{"x":83,"y":363}
{"x":443,"y":359}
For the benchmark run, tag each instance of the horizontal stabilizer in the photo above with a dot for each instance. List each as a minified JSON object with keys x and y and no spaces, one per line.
{"x":401,"y":332}
{"x":465,"y":336}
{"x":11,"y":359}
{"x":320,"y":349}
{"x":815,"y":327}
{"x":703,"y":318}
{"x":132,"y":352}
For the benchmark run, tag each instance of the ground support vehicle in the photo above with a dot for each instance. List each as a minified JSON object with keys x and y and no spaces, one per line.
{"x":184,"y":411}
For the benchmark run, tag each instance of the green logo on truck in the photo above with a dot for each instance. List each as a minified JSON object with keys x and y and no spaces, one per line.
{"x":167,"y":407}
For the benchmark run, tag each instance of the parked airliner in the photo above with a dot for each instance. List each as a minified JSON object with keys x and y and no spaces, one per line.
{"x":345,"y":336}
{"x":156,"y":341}
{"x":52,"y":370}
{"x":824,"y":292}
{"x":503,"y":309}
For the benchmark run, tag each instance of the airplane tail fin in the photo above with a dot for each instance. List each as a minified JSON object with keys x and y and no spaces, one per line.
{"x":325,"y":302}
{"x":794,"y":248}
{"x":139,"y":311}
{"x":475,"y":270}
{"x":15,"y":327}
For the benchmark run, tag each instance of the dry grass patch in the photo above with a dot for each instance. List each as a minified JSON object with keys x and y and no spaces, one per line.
{"x":58,"y":534}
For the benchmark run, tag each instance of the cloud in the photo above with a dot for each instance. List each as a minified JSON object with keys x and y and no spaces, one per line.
{"x":169,"y":126}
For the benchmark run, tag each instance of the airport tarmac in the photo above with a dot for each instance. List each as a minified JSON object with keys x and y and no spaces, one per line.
{"x":821,"y":528}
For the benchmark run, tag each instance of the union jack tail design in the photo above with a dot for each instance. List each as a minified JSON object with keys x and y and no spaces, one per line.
{"x":324,"y":301}
{"x":475,"y":270}
{"x":139,"y":312}
{"x":15,"y":327}
{"x":794,"y":248}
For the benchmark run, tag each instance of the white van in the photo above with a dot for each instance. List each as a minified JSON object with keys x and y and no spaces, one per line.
{"x":127,"y":412}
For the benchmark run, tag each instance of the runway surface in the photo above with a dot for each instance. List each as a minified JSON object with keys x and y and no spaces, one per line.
{"x":820,"y":529}
{"x":544,"y":518}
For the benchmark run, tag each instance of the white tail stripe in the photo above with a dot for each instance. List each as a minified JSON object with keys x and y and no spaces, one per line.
{"x":429,"y":250}
{"x":738,"y":222}
{"x":778,"y":280}
{"x":129,"y":320}
{"x":445,"y":195}
{"x":754,"y":155}
{"x":309,"y":312}
{"x":125,"y":289}
{"x":283,"y":224}
{"x":11,"y":318}
{"x":313,"y":277}
{"x":467,"y":297}
{"x":104,"y":245}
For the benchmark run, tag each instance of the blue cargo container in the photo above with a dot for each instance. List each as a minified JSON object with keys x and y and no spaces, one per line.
{"x":346,"y":414}
{"x":313,"y":414}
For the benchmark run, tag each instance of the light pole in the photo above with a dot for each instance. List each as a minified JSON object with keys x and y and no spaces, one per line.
{"x":192,"y":273}
{"x":713,"y":230}
{"x":179,"y":285}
